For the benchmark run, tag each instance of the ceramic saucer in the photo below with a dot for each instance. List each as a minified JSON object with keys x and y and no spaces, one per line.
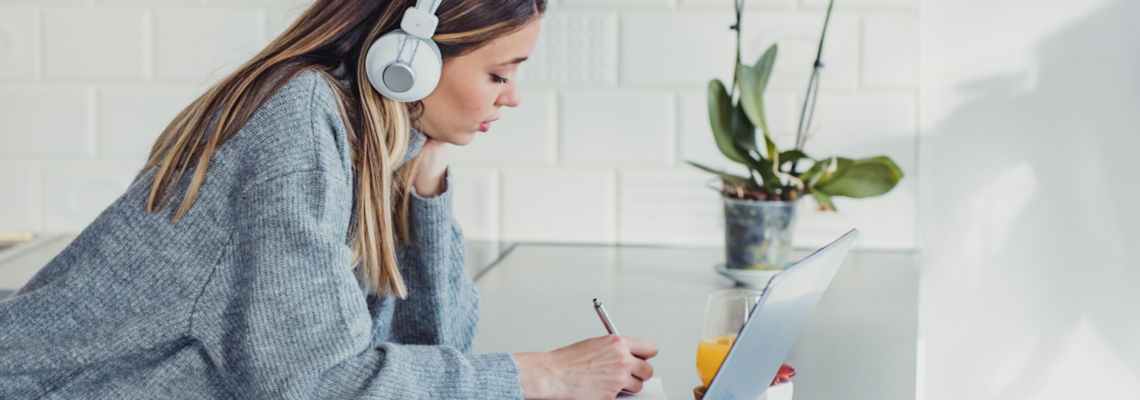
{"x":754,"y":278}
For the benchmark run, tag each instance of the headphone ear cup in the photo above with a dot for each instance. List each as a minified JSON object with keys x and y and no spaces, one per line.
{"x":409,"y":80}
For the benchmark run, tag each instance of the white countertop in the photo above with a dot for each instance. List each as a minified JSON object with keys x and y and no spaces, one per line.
{"x":861,"y":342}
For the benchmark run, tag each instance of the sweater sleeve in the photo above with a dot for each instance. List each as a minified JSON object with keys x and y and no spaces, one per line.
{"x":301,"y":328}
{"x":442,"y":306}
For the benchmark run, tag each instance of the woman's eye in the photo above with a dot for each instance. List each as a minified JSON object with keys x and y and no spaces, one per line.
{"x":498,"y":79}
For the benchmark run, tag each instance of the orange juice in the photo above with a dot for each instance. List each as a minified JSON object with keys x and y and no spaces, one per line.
{"x":710,"y":354}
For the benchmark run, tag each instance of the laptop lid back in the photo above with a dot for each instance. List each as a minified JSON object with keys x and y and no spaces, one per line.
{"x":775,"y":323}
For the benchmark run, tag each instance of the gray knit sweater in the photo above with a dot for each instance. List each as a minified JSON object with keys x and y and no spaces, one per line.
{"x":251,"y":294}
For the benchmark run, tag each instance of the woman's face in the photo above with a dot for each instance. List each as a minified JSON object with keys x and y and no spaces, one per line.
{"x":472,"y":87}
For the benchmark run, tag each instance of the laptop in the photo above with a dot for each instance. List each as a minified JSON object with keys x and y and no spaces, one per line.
{"x":775,"y":323}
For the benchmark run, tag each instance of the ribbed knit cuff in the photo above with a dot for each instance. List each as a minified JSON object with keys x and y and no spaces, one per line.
{"x":431,"y":216}
{"x":497,"y":375}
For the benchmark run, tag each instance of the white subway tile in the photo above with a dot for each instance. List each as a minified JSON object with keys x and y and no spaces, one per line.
{"x":19,"y":43}
{"x":890,"y":51}
{"x":864,"y":125}
{"x":617,"y":128}
{"x":143,"y":2}
{"x":861,"y":4}
{"x":696,"y":141}
{"x":727,"y":5}
{"x":676,"y":49}
{"x":279,"y":19}
{"x":884,"y":222}
{"x":797,"y":37}
{"x":669,"y":207}
{"x":76,"y":191}
{"x":573,"y":48}
{"x":558,"y":206}
{"x":94,"y":44}
{"x":475,"y":201}
{"x":523,"y":135}
{"x":130,"y":118}
{"x":45,"y":121}
{"x":617,"y":4}
{"x":262,"y":2}
{"x":185,"y":52}
{"x":20,"y":199}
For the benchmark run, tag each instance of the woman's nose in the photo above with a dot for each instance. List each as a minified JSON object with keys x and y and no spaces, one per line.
{"x":511,"y":98}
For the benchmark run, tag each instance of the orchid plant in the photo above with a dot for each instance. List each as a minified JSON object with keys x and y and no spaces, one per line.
{"x":773,"y":174}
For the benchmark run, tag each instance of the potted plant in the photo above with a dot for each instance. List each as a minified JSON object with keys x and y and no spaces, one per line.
{"x":760,"y":209}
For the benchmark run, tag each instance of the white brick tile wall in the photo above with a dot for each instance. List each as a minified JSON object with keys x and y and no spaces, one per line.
{"x":20,"y":199}
{"x":890,"y":51}
{"x":260,"y":2}
{"x":45,"y":120}
{"x":19,"y":43}
{"x":476,"y":201}
{"x":617,"y":4}
{"x":94,"y":44}
{"x":76,"y":191}
{"x":797,"y":37}
{"x":727,"y":5}
{"x":573,"y":48}
{"x":279,"y":19}
{"x":865,"y":125}
{"x":618,"y":128}
{"x":523,"y":135}
{"x":559,"y":206}
{"x":669,"y":206}
{"x":861,"y":4}
{"x":187,"y":53}
{"x":614,"y":102}
{"x":130,"y":118}
{"x":676,"y":49}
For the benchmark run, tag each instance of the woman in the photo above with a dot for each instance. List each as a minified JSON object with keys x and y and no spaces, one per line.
{"x":291,"y":237}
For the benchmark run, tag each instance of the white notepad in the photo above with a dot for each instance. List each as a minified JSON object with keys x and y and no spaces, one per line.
{"x":650,"y":390}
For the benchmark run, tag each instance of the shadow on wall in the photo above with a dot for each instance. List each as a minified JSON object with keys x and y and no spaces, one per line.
{"x":1032,"y":272}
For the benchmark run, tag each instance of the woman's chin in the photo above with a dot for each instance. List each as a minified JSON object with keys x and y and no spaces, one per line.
{"x":463,"y":139}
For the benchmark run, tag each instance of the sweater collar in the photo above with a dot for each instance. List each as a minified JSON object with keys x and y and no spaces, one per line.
{"x":415,"y":142}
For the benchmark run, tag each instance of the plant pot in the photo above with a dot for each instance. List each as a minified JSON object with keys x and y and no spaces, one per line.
{"x":758,"y":234}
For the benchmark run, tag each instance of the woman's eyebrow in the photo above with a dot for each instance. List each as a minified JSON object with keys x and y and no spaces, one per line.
{"x":515,"y":61}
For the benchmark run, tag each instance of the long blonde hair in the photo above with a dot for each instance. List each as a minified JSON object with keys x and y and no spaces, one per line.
{"x":329,"y":33}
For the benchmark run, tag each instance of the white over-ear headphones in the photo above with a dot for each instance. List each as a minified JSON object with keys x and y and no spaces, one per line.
{"x":394,"y":64}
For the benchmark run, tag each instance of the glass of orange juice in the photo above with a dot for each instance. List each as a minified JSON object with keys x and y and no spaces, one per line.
{"x":725,"y":313}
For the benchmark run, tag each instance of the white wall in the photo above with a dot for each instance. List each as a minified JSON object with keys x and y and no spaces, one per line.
{"x":613,"y":103}
{"x":1029,"y":128}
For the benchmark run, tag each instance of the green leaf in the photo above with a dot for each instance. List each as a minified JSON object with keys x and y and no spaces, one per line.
{"x":721,"y":121}
{"x":753,"y":82}
{"x":743,"y":132}
{"x":791,"y":156}
{"x":824,"y":201}
{"x":729,"y":179}
{"x":866,"y":177}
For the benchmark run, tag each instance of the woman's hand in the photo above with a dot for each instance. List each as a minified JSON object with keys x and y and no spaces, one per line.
{"x":596,"y":368}
{"x":429,"y":180}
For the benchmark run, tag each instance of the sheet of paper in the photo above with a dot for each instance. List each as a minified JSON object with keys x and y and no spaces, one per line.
{"x":650,"y":390}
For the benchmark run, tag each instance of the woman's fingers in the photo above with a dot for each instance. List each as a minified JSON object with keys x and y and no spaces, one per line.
{"x":641,"y":348}
{"x":642,"y":370}
{"x":633,"y":384}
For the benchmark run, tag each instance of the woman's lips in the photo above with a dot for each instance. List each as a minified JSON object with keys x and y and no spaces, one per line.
{"x":485,"y":126}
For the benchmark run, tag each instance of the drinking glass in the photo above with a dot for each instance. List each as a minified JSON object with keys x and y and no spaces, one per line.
{"x":725,"y":313}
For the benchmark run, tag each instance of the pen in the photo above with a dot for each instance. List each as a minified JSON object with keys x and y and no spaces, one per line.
{"x":605,"y":317}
